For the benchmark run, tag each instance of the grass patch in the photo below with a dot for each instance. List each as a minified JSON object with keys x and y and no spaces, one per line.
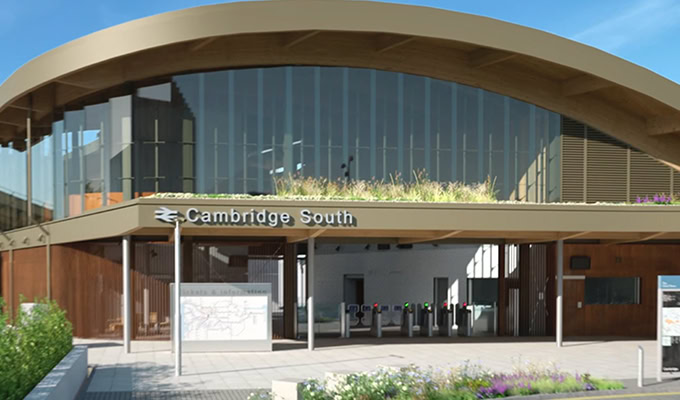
{"x":420,"y":189}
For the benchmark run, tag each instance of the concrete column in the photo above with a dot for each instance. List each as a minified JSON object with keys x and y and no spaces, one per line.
{"x":310,"y":294}
{"x":560,"y":274}
{"x":127,"y":312}
{"x":177,"y":321}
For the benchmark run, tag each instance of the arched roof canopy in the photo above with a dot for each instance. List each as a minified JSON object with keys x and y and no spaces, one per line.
{"x":624,"y":100}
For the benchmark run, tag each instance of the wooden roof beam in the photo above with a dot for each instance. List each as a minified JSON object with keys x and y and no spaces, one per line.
{"x":386,"y":43}
{"x":560,"y":236}
{"x":429,"y":239}
{"x":663,"y":125}
{"x":313,"y":234}
{"x":481,"y":58}
{"x":201,"y":43}
{"x":67,"y":82}
{"x":294,"y":40}
{"x":642,"y":238}
{"x":583,"y":84}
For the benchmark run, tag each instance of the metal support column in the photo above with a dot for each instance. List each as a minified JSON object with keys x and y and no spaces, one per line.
{"x":48,"y":266}
{"x":560,"y":273}
{"x":310,"y":294}
{"x":29,"y":192}
{"x":127,"y":317}
{"x":176,"y":321}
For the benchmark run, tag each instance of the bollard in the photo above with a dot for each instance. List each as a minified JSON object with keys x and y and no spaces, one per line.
{"x":641,"y":366}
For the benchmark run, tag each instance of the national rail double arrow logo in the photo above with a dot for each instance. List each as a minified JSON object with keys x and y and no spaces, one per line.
{"x":166,"y":215}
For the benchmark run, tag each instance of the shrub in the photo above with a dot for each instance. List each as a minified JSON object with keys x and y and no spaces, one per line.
{"x":31,"y":347}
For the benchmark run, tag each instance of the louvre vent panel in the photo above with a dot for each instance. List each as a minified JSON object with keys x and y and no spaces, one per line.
{"x":648,"y":176}
{"x":599,"y":168}
{"x":607,"y":168}
{"x":573,"y":134}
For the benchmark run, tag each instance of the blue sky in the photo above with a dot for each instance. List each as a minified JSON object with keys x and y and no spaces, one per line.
{"x":646,"y":32}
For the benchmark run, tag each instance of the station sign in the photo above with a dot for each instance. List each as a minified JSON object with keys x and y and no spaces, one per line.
{"x":257,"y":217}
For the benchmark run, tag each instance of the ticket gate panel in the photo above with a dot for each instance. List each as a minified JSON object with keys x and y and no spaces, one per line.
{"x":446,"y":321}
{"x":365,"y":319}
{"x":396,"y":314}
{"x":385,"y":312}
{"x":407,"y":319}
{"x":427,"y":321}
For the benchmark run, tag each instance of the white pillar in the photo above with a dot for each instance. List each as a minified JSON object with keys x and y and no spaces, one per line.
{"x":310,"y":294}
{"x":560,"y":274}
{"x":659,"y":332}
{"x":127,"y":317}
{"x":177,"y":322}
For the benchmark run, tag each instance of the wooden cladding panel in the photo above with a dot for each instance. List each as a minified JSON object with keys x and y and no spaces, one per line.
{"x":598,"y":168}
{"x":30,"y":274}
{"x":645,"y":261}
{"x":87,"y":282}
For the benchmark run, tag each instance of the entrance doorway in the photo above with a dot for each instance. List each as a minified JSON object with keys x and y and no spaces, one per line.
{"x":354,"y":289}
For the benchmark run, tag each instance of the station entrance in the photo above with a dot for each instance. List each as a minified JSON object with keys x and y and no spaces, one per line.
{"x":476,"y":290}
{"x":427,"y":289}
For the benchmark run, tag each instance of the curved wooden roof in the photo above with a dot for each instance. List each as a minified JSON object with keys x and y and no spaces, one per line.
{"x":622,"y":99}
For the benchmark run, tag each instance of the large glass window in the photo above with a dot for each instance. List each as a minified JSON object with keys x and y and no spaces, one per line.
{"x":234,"y":131}
{"x":612,"y":290}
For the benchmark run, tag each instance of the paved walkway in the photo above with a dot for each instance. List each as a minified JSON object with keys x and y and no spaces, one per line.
{"x":149,"y":367}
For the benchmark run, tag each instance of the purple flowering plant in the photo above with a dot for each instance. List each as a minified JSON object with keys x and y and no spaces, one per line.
{"x":661,"y":199}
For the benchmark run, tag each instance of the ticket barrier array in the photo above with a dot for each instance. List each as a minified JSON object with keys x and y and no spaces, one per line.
{"x":409,"y":315}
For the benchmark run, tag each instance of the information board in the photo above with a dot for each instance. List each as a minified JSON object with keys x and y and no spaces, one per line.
{"x":225,"y":317}
{"x":670,"y":331}
{"x":668,"y":325}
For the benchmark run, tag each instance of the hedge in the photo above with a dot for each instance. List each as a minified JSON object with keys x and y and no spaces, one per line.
{"x":31,"y":347}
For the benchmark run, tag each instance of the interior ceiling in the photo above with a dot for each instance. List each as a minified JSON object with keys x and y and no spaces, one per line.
{"x":639,"y":119}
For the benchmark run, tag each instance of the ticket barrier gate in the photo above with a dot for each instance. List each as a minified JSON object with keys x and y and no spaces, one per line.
{"x":427,"y":321}
{"x":407,"y":320}
{"x":463,"y":319}
{"x":446,"y":326}
{"x":376,"y":321}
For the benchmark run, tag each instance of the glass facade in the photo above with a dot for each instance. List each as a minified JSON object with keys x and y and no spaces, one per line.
{"x":234,"y":131}
{"x":13,"y":203}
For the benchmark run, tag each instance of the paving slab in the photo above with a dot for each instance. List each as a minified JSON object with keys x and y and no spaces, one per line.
{"x":149,"y":367}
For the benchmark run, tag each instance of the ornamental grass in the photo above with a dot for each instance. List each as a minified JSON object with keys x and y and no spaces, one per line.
{"x":465,"y":383}
{"x":420,"y":189}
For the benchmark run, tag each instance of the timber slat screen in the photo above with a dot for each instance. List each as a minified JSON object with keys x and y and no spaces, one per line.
{"x":204,"y":261}
{"x":598,"y":168}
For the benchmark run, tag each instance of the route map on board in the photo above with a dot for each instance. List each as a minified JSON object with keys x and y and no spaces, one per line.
{"x":224,"y":318}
